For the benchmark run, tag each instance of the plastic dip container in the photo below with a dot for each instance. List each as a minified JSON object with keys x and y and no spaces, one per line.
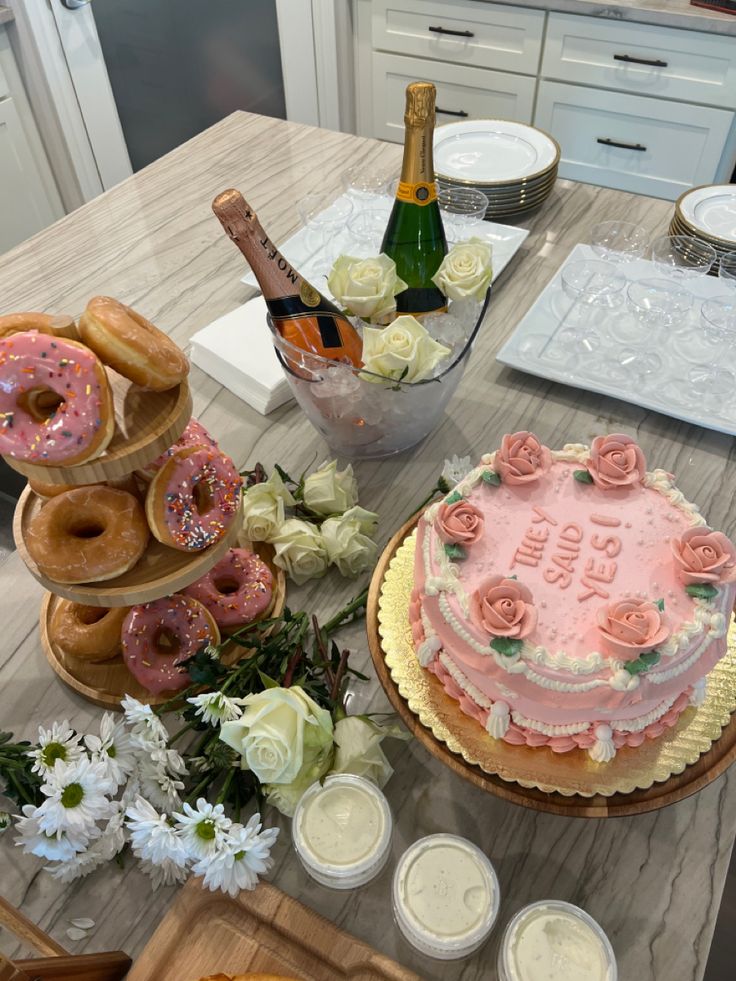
{"x":555,"y":941}
{"x":342,"y":831}
{"x":445,"y":896}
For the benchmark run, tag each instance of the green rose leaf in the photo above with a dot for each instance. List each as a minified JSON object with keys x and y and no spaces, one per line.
{"x":453,"y":551}
{"x":660,"y":604}
{"x":642,"y":663}
{"x":454,"y":498}
{"x":508,"y":646}
{"x":491,"y":478}
{"x":582,"y":476}
{"x":701,"y":590}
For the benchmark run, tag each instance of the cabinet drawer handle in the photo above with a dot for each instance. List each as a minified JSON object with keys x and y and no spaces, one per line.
{"x":623,"y":146}
{"x":452,"y":112}
{"x":446,"y":30}
{"x":654,"y":62}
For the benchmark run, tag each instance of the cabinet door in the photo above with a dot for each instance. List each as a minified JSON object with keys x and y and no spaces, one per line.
{"x":485,"y":35}
{"x":649,"y":146}
{"x":641,"y":59}
{"x":24,"y":206}
{"x":462,"y":93}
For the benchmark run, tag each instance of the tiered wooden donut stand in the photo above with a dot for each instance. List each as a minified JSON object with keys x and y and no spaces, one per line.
{"x":146,"y":424}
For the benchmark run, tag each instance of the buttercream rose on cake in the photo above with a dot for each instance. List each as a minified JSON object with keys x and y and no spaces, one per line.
{"x":504,"y":608}
{"x":631,"y":628}
{"x":521,"y":459}
{"x":704,"y":557}
{"x":615,"y":461}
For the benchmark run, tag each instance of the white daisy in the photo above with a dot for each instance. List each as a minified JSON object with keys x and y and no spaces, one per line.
{"x":215,"y":708}
{"x":112,"y":839}
{"x":158,"y":786}
{"x":170,"y":761}
{"x":75,"y":798}
{"x":5,"y":821}
{"x":152,"y":838}
{"x":168,"y":873}
{"x":59,"y":847}
{"x":456,"y":468}
{"x":148,"y":730}
{"x":203,"y":830}
{"x":243,"y":857}
{"x":77,"y":867}
{"x":113,"y":748}
{"x":60,"y":742}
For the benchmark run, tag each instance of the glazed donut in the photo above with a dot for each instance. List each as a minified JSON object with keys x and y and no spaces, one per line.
{"x":193,"y":499}
{"x":88,"y":534}
{"x":42,"y":488}
{"x":91,"y":633}
{"x":59,"y":325}
{"x":194,"y":435}
{"x":157,"y":637}
{"x":236,"y":590}
{"x":131,"y":345}
{"x":55,"y":401}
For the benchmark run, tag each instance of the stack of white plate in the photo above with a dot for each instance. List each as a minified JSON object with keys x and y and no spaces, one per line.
{"x":513,"y":164}
{"x":709,"y":214}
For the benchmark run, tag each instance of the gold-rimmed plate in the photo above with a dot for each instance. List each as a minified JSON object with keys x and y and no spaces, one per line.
{"x":492,"y":152}
{"x":507,"y":188}
{"x":686,"y":758}
{"x":710,"y":210}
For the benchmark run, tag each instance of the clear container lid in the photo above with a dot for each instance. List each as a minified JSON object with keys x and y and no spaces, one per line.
{"x":508,"y":962}
{"x":342,"y":831}
{"x":445,"y":896}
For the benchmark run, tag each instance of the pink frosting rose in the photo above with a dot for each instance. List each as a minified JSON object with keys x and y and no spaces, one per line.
{"x":460,"y":523}
{"x":632,"y":627}
{"x":503,"y":608}
{"x":704,"y":556}
{"x":615,"y":461}
{"x":521,"y":459}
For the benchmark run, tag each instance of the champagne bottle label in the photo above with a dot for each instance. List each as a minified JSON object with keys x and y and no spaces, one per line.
{"x":420,"y":193}
{"x":286,"y":311}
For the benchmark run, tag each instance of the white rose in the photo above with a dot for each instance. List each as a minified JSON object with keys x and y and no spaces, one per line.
{"x":263,"y":514}
{"x":465,"y":271}
{"x":365,"y":287}
{"x":358,"y":750}
{"x":282,"y":736}
{"x":329,"y":490}
{"x":347,"y":547}
{"x":300,"y":550}
{"x":403,"y":351}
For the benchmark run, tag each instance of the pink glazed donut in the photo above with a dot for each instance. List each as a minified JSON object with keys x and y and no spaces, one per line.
{"x":236,"y":590}
{"x":193,"y":499}
{"x":194,"y":435}
{"x":158,"y":636}
{"x":55,"y":400}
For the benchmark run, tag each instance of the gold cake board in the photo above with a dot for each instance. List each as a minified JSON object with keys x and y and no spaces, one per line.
{"x":686,"y":758}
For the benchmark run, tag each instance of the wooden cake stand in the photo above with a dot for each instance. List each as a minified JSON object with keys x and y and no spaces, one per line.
{"x":694,"y":777}
{"x":147,"y":424}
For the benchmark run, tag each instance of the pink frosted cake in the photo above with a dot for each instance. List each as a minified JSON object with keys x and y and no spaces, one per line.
{"x":570,"y":598}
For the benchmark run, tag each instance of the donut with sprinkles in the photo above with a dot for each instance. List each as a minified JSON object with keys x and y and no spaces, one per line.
{"x":236,"y":590}
{"x":194,"y":498}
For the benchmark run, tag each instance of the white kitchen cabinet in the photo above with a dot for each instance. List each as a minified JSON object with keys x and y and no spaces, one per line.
{"x":649,"y":146}
{"x":29,"y":200}
{"x":483,"y":35}
{"x":666,"y":96}
{"x":472,"y":93}
{"x":641,"y":59}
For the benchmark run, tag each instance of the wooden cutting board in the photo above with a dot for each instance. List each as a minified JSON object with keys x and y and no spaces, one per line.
{"x":264,"y":930}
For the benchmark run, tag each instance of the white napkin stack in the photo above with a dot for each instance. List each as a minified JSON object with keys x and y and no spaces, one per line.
{"x":236,"y":350}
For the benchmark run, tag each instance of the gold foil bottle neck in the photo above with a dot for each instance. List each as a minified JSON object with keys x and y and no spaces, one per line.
{"x":420,"y":98}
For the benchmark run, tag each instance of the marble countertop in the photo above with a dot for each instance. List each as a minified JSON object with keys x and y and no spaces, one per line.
{"x":654,"y":881}
{"x":6,"y":14}
{"x":668,"y":13}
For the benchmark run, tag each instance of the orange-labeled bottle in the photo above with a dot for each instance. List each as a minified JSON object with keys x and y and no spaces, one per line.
{"x":300,"y":313}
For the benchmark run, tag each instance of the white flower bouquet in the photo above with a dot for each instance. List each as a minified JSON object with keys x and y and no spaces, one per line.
{"x":312,"y":523}
{"x":265,"y":728}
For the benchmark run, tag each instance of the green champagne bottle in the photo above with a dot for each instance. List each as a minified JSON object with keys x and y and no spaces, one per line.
{"x":414,"y":237}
